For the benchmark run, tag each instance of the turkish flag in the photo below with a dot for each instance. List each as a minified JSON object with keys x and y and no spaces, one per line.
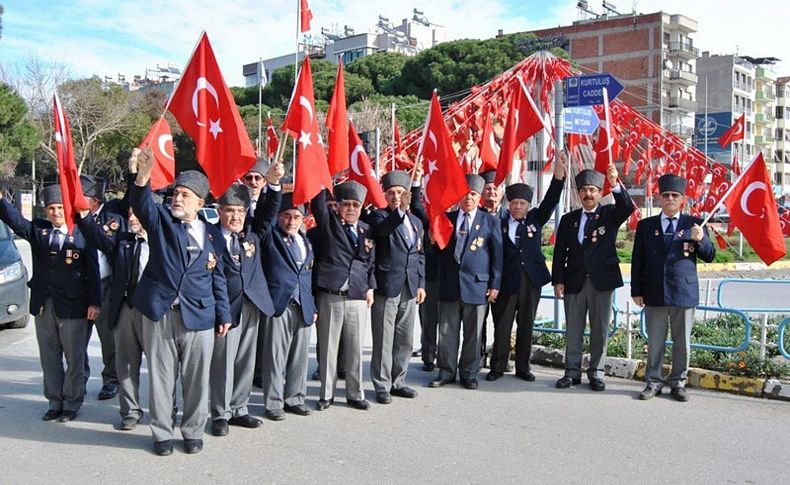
{"x":205,"y":109}
{"x":523,"y":121}
{"x":488,"y":149}
{"x":634,"y":218}
{"x":445,"y":182}
{"x":305,"y":16}
{"x":312,"y":171}
{"x":602,"y":157}
{"x":398,"y":140}
{"x":361,"y":170}
{"x":68,"y":176}
{"x":160,"y":139}
{"x":784,"y":220}
{"x":752,"y":209}
{"x":736,"y":167}
{"x":272,"y":142}
{"x":734,"y":132}
{"x":719,"y":238}
{"x":337,"y":125}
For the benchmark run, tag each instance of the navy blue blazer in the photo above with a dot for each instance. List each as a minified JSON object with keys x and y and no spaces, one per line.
{"x":248,"y":279}
{"x":481,"y":261}
{"x":71,"y":279}
{"x":668,"y":277}
{"x":527,"y":255}
{"x":397,"y":263}
{"x":339,"y":259}
{"x":572,"y":261}
{"x":201,"y":288}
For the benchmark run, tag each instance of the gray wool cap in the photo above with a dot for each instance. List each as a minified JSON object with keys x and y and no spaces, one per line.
{"x":261,"y":166}
{"x":589,"y":177}
{"x":194,"y":181}
{"x":519,"y":191}
{"x":476,"y":182}
{"x":351,"y":190}
{"x":489,"y":176}
{"x":52,"y":195}
{"x":93,"y":186}
{"x":237,"y":194}
{"x":287,"y":203}
{"x":396,"y":178}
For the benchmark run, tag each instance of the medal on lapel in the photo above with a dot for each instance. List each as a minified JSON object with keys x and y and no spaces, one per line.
{"x":594,"y":236}
{"x":44,"y":232}
{"x":211,"y":262}
{"x":71,"y":239}
{"x":656,"y":233}
{"x":75,"y":254}
{"x":69,"y":259}
{"x":113,"y":225}
{"x":249,"y":249}
{"x":368,"y":244}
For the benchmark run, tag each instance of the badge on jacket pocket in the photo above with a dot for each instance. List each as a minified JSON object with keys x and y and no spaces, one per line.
{"x":211,"y":262}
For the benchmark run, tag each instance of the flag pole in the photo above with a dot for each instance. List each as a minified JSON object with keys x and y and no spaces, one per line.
{"x":418,"y":158}
{"x":296,"y":71}
{"x":392,"y":137}
{"x":609,"y":134}
{"x":260,"y":102}
{"x":727,"y":194}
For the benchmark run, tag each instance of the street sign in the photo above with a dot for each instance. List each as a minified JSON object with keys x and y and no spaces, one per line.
{"x":581,"y":120}
{"x":588,"y":90}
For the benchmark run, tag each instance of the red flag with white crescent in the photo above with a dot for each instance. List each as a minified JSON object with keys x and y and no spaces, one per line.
{"x":337,"y":125}
{"x":361,"y":170}
{"x":68,"y":176}
{"x":734,"y":132}
{"x":160,"y":139}
{"x":523,"y":121}
{"x":272,"y":142}
{"x":488,"y":148}
{"x":305,"y":16}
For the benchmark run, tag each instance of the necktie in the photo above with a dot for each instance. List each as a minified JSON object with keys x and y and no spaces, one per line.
{"x":460,"y":241}
{"x":296,"y":253}
{"x":352,"y":234}
{"x":193,"y":249}
{"x":521,"y":229}
{"x":587,"y":226}
{"x":405,"y":229}
{"x":134,"y":273}
{"x":235,"y":249}
{"x":669,"y":233}
{"x":54,"y":243}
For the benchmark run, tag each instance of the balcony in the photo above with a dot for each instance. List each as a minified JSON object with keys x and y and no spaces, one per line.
{"x":742,"y":109}
{"x":683,"y":49}
{"x":764,"y":118}
{"x":742,"y":86}
{"x":764,"y":74}
{"x":683,"y":77}
{"x":682,"y":104}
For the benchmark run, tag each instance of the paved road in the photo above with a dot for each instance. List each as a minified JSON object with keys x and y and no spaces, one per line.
{"x":508,"y":431}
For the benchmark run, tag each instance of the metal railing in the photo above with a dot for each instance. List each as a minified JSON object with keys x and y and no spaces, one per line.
{"x":677,"y":46}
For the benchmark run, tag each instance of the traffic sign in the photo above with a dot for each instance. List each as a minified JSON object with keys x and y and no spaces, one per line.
{"x":588,"y":90}
{"x":581,"y":120}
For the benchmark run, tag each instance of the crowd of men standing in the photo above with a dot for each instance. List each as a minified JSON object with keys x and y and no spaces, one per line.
{"x":217,"y":305}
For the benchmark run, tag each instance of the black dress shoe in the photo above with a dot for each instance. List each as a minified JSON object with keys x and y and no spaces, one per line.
{"x":299,"y":409}
{"x":219,"y":427}
{"x":597,"y":384}
{"x":404,"y":391}
{"x":107,"y":392}
{"x":383,"y":398}
{"x":527,"y":376}
{"x":469,"y":383}
{"x":679,"y":393}
{"x":649,"y":392}
{"x":129,"y":423}
{"x":192,"y":446}
{"x":316,"y":375}
{"x":440,"y":382}
{"x":67,"y":416}
{"x":274,"y":414}
{"x":52,"y":415}
{"x":566,"y":382}
{"x":361,"y":404}
{"x":245,"y":421}
{"x":163,"y":448}
{"x":493,"y":375}
{"x":428,"y":367}
{"x":324,"y":404}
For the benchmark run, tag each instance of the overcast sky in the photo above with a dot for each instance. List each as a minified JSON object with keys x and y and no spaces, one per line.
{"x":110,"y":37}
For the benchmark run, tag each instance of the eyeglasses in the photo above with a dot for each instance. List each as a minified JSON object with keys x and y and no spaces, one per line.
{"x":672,"y":195}
{"x":250,"y":178}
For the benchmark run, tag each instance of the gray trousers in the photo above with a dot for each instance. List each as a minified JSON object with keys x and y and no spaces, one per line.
{"x":657,"y":320}
{"x":128,"y":360}
{"x":521,"y":307}
{"x":340,"y":316}
{"x":286,"y":349}
{"x":597,"y":305}
{"x":104,"y":327}
{"x":429,"y":322}
{"x":392,"y":326}
{"x":171,"y":347}
{"x":233,"y":366}
{"x":58,"y":338}
{"x":453,"y":316}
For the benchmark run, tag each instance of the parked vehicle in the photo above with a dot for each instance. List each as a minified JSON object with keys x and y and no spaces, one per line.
{"x":13,"y":282}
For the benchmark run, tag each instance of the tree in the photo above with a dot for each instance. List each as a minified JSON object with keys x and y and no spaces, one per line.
{"x":18,"y":136}
{"x":380,"y":68}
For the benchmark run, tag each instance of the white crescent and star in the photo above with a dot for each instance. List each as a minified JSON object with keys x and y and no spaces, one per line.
{"x":738,"y":129}
{"x":203,"y":83}
{"x":306,"y":105}
{"x":355,"y":159}
{"x":161,"y":142}
{"x":745,"y":197}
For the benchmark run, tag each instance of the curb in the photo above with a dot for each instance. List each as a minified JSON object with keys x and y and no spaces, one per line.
{"x":625,"y":268}
{"x":698,"y":378}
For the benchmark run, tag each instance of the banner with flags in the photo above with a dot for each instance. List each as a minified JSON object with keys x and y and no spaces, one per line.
{"x":68,"y":175}
{"x":205,"y":109}
{"x":160,"y":139}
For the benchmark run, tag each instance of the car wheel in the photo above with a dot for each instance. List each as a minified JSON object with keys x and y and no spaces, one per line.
{"x":21,"y":323}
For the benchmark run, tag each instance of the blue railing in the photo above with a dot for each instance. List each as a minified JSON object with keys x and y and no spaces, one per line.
{"x":747,"y":333}
{"x":781,"y":342}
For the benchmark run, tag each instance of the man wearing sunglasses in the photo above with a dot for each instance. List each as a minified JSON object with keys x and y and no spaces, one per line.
{"x":255,"y":179}
{"x":664,"y":281}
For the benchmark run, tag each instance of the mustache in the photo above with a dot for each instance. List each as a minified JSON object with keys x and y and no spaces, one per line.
{"x":589,"y":197}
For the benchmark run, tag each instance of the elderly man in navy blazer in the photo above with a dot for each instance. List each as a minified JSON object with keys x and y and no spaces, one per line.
{"x":184,"y":298}
{"x":65,"y":290}
{"x":233,"y":358}
{"x":664,"y":281}
{"x":586,"y":271}
{"x":344,"y":285}
{"x":524,"y":273}
{"x":400,"y":286}
{"x":470,"y":275}
{"x":289,"y":260}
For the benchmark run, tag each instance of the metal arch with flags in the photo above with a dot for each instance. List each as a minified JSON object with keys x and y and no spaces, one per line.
{"x":444,"y":180}
{"x":753,"y":211}
{"x":488,"y":149}
{"x":311,"y":173}
{"x":361,"y":170}
{"x":205,"y":109}
{"x":337,"y":125}
{"x":734,"y":133}
{"x":68,"y":175}
{"x":160,"y":139}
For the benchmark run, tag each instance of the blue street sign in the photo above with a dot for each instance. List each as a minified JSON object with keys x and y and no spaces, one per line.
{"x":714,"y":125}
{"x":588,"y":90}
{"x":581,"y":120}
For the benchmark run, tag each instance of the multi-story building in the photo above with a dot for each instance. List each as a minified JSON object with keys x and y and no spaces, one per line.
{"x":653,"y":55}
{"x":409,"y":38}
{"x":782,"y":153}
{"x":161,"y":78}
